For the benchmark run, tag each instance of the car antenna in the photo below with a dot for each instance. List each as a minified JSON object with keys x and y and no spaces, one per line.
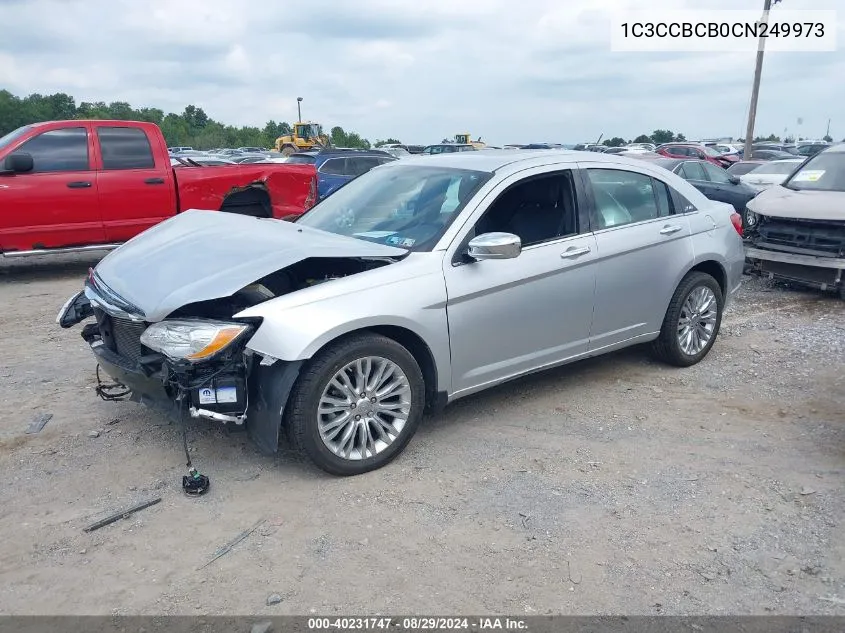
{"x":194,"y":483}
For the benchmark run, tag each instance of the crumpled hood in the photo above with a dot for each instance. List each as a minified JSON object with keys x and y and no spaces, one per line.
{"x":201,"y":255}
{"x":780,"y":202}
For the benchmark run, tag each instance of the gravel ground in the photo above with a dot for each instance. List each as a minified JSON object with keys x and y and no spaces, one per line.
{"x":616,"y":485}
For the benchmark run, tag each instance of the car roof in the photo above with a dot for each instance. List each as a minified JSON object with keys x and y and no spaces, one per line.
{"x":342,"y":151}
{"x":839,"y":148}
{"x":499,"y":159}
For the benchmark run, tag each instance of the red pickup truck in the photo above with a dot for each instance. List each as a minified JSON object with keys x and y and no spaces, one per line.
{"x":84,"y":185}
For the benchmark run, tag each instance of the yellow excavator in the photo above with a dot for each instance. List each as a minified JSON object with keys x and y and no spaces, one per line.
{"x":466,"y":139}
{"x":306,"y":135}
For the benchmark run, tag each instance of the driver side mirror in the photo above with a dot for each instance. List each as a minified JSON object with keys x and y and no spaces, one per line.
{"x":18,"y":163}
{"x":734,"y":179}
{"x":494,"y":246}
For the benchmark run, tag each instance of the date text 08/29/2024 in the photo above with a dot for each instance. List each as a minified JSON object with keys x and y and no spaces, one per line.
{"x":418,"y":623}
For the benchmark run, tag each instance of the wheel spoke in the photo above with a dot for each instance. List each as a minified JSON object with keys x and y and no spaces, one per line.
{"x":697,"y":320}
{"x":364,"y":408}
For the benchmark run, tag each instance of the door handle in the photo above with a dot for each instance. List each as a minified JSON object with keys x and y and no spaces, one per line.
{"x":572,"y":252}
{"x":154,"y":181}
{"x":79,"y":184}
{"x":669,"y":229}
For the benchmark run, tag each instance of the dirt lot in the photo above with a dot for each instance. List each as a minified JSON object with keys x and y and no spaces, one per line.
{"x":616,"y":485}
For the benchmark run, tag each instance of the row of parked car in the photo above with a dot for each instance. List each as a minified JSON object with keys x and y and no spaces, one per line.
{"x":716,"y":169}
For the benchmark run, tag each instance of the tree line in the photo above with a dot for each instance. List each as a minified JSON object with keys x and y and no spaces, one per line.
{"x":193,"y":127}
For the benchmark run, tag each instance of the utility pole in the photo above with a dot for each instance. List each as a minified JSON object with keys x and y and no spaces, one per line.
{"x":299,"y":109}
{"x":827,"y":134}
{"x":755,"y":88}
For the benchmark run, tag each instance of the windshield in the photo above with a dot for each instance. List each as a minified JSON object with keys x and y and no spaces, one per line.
{"x":406,"y":206}
{"x":776,"y":167}
{"x":823,"y":172}
{"x":14,"y":135}
{"x":709,"y":151}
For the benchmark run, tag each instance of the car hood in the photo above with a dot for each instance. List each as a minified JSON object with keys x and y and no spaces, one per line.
{"x":780,"y":202}
{"x":202,"y":255}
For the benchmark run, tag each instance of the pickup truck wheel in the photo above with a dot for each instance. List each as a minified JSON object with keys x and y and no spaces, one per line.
{"x":356,"y":404}
{"x":692,"y":321}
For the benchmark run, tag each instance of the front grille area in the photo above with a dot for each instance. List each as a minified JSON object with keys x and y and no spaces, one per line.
{"x":121,"y":336}
{"x":127,"y":338}
{"x":820,"y":238}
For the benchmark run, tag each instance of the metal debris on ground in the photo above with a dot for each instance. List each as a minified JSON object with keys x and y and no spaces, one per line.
{"x":121,"y":515}
{"x":39,"y":423}
{"x":231,"y":544}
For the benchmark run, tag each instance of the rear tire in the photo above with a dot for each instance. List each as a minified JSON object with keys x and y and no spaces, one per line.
{"x":287,"y":150}
{"x":345,"y":433}
{"x":692,"y":321}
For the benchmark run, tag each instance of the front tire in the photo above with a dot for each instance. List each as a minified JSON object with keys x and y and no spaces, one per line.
{"x":356,"y":405}
{"x":692,"y":321}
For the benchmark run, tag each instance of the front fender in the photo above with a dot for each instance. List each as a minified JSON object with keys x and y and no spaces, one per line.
{"x":294,"y":330}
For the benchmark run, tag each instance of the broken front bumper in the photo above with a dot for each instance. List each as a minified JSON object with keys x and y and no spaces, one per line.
{"x":147,"y":389}
{"x":261,"y":385}
{"x":824,"y":272}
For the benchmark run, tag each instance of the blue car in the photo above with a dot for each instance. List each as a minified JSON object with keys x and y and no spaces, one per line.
{"x":336,"y":167}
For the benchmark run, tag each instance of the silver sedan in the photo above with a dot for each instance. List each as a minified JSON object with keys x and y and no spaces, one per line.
{"x":418,"y":283}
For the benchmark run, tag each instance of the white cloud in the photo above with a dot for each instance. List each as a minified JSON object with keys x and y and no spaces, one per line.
{"x":524,"y":71}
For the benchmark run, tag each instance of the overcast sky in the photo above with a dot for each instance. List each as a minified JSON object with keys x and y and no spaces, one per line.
{"x":420,"y":70}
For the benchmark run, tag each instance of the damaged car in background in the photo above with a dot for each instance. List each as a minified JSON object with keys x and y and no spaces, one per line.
{"x":796,"y":230}
{"x":420,"y":282}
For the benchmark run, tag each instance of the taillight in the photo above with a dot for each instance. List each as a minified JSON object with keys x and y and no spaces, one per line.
{"x":311,"y":198}
{"x":736,"y":220}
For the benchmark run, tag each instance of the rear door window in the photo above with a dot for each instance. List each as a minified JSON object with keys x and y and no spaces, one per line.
{"x":360,"y":165}
{"x":334,"y":167}
{"x":125,"y":148}
{"x":622,"y":197}
{"x":58,"y":150}
{"x":716,"y":174}
{"x":693,"y":171}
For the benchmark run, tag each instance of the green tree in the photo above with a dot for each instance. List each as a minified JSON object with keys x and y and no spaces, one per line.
{"x":642,"y":138}
{"x":680,"y":138}
{"x":828,"y":138}
{"x":662,"y":136}
{"x":616,"y":141}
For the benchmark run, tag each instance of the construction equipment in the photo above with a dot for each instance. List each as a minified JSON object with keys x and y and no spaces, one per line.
{"x":306,"y":135}
{"x":466,"y":139}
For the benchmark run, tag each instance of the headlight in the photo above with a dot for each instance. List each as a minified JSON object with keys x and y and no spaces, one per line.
{"x":750,"y":218}
{"x":193,"y":341}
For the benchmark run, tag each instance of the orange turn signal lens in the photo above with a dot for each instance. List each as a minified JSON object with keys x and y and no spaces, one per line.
{"x":222,"y":339}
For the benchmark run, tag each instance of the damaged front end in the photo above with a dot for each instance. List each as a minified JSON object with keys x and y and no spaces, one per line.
{"x":195,"y":363}
{"x":807,"y":251}
{"x":183,"y":366}
{"x":164,"y":309}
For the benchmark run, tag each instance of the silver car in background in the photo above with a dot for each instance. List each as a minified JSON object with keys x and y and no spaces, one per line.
{"x":418,"y":283}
